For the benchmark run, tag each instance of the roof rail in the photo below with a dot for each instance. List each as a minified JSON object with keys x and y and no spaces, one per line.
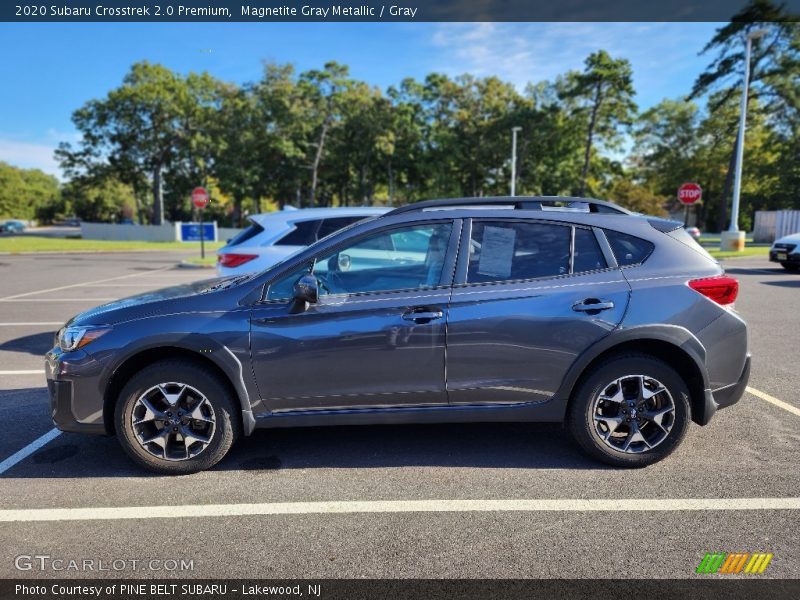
{"x":515,"y":202}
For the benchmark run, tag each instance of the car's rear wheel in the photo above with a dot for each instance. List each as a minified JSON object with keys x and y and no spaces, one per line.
{"x":793,"y":267}
{"x":175,"y":417}
{"x":630,"y":411}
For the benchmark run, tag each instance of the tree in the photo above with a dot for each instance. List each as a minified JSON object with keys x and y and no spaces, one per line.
{"x":24,"y":193}
{"x":322,"y":91}
{"x":141,"y":129}
{"x":605,"y":91}
{"x":637,"y":198}
{"x":774,"y":86}
{"x":107,"y":200}
{"x":667,"y":142}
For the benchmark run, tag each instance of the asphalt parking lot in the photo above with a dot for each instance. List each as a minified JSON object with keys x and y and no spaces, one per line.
{"x":472,"y":501}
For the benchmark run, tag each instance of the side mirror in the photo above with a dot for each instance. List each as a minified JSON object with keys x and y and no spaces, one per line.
{"x":306,"y":289}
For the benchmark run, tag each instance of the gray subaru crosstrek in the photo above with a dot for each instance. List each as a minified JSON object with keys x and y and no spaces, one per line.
{"x":495,"y":309}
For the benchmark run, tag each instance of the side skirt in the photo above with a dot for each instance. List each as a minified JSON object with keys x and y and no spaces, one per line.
{"x":549,"y":411}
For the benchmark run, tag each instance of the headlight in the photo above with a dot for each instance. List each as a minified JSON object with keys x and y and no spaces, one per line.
{"x":72,"y":338}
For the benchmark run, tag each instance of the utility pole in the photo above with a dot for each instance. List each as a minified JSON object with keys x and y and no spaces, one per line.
{"x":514,"y":131}
{"x":733,"y":239}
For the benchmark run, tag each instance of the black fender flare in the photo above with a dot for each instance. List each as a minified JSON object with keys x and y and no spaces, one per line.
{"x":204,"y":348}
{"x":674,"y":335}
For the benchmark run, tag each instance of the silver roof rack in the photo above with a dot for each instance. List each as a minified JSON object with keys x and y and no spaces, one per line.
{"x":545,"y":203}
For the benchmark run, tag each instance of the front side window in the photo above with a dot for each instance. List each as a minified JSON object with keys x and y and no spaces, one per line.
{"x":505,"y":250}
{"x":283,"y":288}
{"x":406,"y":258}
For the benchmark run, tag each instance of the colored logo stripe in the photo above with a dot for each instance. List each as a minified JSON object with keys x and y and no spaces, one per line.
{"x":758,"y":563}
{"x":722,"y":562}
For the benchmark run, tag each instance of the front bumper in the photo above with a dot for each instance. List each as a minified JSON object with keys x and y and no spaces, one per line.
{"x":724,"y":397}
{"x":75,"y":403}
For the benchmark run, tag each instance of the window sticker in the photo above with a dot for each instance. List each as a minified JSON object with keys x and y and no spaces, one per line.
{"x":497,"y":251}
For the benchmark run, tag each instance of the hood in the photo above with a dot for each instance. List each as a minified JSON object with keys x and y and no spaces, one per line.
{"x":197,"y":296}
{"x":789,"y":239}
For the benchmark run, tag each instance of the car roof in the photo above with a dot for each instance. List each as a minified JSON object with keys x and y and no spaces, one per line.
{"x":305,"y":214}
{"x":565,"y":209}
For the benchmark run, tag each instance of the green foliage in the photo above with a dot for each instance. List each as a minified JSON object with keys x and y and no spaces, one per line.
{"x":25,"y":192}
{"x":107,"y":200}
{"x":601,"y":96}
{"x":322,"y":138}
{"x":637,"y":198}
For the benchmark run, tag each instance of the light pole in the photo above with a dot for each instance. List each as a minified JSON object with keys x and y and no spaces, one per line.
{"x":733,"y":239}
{"x":514,"y":131}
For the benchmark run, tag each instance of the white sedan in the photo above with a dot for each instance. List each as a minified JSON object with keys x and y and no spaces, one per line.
{"x":786,"y":251}
{"x":271,"y":237}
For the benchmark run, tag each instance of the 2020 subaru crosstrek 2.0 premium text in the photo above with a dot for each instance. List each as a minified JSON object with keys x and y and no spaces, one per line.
{"x":499,"y":309}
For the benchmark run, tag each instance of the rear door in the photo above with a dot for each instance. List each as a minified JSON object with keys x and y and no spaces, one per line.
{"x":529,"y":297}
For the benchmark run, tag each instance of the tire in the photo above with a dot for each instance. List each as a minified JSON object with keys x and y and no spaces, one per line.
{"x":791,"y":267}
{"x":601,"y":427}
{"x":203,"y":409}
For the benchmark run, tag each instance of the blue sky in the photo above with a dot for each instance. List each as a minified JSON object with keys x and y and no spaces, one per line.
{"x":50,"y":69}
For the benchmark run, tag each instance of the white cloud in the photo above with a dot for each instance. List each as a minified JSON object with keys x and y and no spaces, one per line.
{"x":29,"y":155}
{"x":660,"y":53}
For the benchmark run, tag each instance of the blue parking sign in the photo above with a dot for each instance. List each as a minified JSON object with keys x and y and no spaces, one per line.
{"x":190,"y":232}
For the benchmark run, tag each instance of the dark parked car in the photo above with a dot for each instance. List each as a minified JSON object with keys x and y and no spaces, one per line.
{"x":499,"y":309}
{"x":12,"y":226}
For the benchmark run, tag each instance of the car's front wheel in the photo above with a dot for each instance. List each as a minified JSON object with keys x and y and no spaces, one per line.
{"x":175,"y":417}
{"x":630,"y":411}
{"x":793,"y":267}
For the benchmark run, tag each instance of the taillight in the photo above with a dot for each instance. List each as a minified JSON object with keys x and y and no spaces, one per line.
{"x":234,"y":260}
{"x":722,"y":289}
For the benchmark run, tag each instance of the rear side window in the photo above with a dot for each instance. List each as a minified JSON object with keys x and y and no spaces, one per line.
{"x":304,"y":234}
{"x":330,"y":226}
{"x":517,"y":250}
{"x":628,"y":250}
{"x":588,"y":256}
{"x":246,"y":234}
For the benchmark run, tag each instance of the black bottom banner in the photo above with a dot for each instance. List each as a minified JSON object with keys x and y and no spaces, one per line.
{"x":400,"y":589}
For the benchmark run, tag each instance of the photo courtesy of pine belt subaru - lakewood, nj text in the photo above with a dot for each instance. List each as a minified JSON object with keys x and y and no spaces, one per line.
{"x":490,"y":309}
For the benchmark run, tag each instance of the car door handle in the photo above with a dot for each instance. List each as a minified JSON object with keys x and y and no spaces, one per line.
{"x":423,"y":316}
{"x":592,"y":304}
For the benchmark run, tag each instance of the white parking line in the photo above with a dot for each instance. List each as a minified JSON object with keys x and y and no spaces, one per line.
{"x":28,"y":450}
{"x":772,"y":400}
{"x":24,"y":372}
{"x":76,"y":285}
{"x":58,"y":299}
{"x":398,"y":506}
{"x":23,"y":324}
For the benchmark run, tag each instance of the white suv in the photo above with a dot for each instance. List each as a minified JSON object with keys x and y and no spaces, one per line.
{"x":271,"y":237}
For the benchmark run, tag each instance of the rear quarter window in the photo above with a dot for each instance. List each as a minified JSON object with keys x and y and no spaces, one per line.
{"x":627,"y":249}
{"x":304,"y":234}
{"x":252,"y":231}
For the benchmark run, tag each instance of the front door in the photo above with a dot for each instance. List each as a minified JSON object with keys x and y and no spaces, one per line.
{"x":376,"y":338}
{"x":529,"y":299}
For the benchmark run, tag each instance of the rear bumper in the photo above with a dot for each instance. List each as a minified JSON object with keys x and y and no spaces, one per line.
{"x":792,"y":258}
{"x":724,"y":397}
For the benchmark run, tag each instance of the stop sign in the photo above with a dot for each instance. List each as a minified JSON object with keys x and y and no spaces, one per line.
{"x":690,"y":193}
{"x":200,"y":197}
